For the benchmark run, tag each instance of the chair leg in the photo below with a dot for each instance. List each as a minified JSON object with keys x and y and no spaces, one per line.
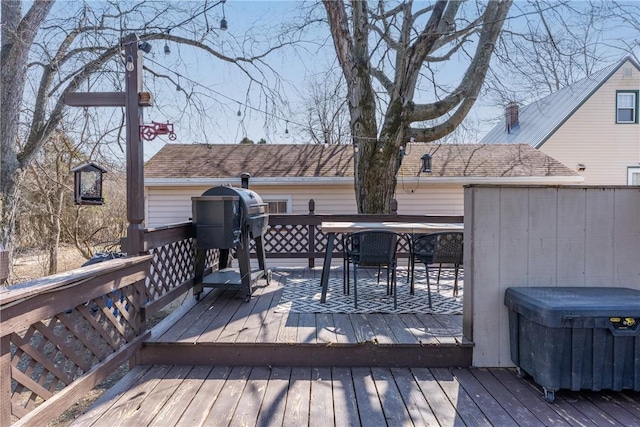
{"x":412,"y":267}
{"x":426,"y":266}
{"x":346,"y":285}
{"x":394,"y":281}
{"x":355,"y":286}
{"x":455,"y":283}
{"x":389,"y":290}
{"x":438,"y":282}
{"x":344,"y":275}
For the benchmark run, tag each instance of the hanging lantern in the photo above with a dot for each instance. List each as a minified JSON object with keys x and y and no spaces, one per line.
{"x":426,"y":162}
{"x":87,"y":180}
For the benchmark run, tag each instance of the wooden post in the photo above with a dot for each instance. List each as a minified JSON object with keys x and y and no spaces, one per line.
{"x":4,"y":265}
{"x":135,"y":153}
{"x":130,"y":99}
{"x":5,"y":380}
{"x":311,"y":229}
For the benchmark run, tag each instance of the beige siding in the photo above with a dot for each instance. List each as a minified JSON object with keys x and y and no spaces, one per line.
{"x":591,"y":135}
{"x":167,"y":205}
{"x":542,"y":236}
{"x":430,"y":199}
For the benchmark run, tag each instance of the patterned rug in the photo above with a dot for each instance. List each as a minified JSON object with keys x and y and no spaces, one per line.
{"x":303,"y":296}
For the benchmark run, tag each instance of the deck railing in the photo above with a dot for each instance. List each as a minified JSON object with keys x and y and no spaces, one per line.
{"x":62,"y":334}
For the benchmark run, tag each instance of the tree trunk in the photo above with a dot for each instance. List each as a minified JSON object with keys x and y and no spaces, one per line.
{"x":18,"y":34}
{"x":376,"y":169}
{"x":56,"y":231}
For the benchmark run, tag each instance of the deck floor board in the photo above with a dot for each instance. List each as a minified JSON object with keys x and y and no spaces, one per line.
{"x":321,"y":398}
{"x":174,"y":408}
{"x":296,"y":411}
{"x":275,"y":398}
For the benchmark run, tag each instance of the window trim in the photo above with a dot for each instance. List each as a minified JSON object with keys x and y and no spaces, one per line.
{"x":635,"y":111}
{"x":630,"y":171}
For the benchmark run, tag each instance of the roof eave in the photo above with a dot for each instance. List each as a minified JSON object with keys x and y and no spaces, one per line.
{"x":280,"y":181}
{"x":462,"y":180}
{"x":465,"y":180}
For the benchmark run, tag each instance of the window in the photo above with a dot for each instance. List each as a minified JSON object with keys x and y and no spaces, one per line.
{"x":627,"y":106}
{"x":278,"y":204}
{"x":633,"y":176}
{"x":276,"y":207}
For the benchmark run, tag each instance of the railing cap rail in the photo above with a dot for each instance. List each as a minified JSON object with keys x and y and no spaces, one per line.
{"x":50,"y":283}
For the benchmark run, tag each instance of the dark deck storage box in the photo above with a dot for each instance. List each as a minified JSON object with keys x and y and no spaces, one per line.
{"x":576,"y":338}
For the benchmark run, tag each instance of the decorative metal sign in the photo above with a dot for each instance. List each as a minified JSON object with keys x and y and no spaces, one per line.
{"x":149,"y":132}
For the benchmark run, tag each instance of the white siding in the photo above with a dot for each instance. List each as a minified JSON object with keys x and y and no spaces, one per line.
{"x":592,"y":136}
{"x":542,"y":236}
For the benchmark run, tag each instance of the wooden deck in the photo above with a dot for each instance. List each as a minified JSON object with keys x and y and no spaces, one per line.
{"x":223,"y":362}
{"x":222,"y":329}
{"x":321,"y":396}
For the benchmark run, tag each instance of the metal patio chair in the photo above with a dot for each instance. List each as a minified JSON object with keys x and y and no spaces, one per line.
{"x":371,"y":249}
{"x":437,"y":248}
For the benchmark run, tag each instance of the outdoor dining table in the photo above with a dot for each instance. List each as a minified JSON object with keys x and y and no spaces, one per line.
{"x":331,"y":228}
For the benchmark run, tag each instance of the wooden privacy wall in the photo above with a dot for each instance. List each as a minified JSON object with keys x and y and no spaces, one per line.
{"x":542,"y":236}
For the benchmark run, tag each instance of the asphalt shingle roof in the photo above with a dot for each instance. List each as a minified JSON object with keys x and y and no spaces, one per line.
{"x":310,"y":160}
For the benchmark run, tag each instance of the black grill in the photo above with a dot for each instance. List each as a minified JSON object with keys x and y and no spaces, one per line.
{"x":227,"y":218}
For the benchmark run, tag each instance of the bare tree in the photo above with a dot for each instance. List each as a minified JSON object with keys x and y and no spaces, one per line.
{"x":51,"y":185}
{"x":51,"y":51}
{"x":395,"y":50}
{"x":550,"y":44}
{"x":326,"y":118}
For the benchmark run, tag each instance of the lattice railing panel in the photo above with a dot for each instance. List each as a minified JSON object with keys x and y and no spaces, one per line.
{"x":321,"y":241}
{"x":287,"y":239}
{"x":172,"y":264}
{"x":50,"y":354}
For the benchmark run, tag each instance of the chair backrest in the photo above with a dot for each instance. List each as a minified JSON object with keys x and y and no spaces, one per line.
{"x":424,"y":246}
{"x":449,"y":248}
{"x":371,"y":248}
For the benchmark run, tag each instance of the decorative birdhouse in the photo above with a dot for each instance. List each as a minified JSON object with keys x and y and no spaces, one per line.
{"x":88,"y":184}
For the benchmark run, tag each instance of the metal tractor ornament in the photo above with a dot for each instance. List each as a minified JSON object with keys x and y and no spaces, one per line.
{"x":149,"y":132}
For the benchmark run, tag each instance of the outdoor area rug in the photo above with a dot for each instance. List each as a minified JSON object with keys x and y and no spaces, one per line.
{"x":303,"y":296}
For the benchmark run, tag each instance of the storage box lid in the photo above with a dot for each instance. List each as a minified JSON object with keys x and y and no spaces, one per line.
{"x":550,"y":306}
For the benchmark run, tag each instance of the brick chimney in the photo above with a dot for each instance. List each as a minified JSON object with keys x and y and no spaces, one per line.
{"x":511,"y":115}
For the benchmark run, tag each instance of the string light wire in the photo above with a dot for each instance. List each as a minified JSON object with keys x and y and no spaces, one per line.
{"x":242,"y":104}
{"x":221,"y":95}
{"x":205,"y":10}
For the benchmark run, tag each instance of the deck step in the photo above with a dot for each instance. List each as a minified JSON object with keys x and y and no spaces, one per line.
{"x":299,"y":354}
